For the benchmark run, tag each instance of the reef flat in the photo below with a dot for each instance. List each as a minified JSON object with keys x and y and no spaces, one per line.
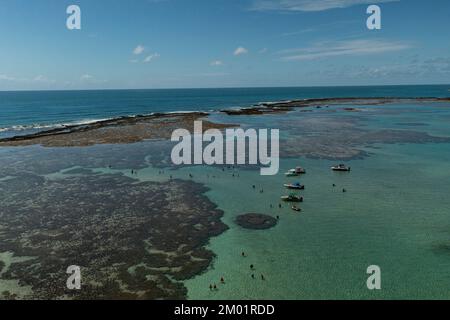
{"x":345,"y":138}
{"x":132,"y":240}
{"x":134,"y":129}
{"x":285,"y":106}
{"x":114,"y":131}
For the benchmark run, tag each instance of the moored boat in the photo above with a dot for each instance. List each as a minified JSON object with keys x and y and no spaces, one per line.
{"x":292,"y":198}
{"x":295,"y":172}
{"x":340,"y":167}
{"x":295,"y":185}
{"x":300,"y":170}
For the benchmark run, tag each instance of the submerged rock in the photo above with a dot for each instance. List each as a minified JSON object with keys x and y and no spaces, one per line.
{"x":256,"y":221}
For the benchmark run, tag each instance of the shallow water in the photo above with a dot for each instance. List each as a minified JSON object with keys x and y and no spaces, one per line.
{"x":395,"y":213}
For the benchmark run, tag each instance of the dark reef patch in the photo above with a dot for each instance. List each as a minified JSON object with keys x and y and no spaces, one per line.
{"x":132,"y":240}
{"x":343,"y":138}
{"x":412,"y":124}
{"x":256,"y":221}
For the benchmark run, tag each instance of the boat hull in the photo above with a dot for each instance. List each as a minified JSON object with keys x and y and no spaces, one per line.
{"x":290,"y":199}
{"x":294,"y":187}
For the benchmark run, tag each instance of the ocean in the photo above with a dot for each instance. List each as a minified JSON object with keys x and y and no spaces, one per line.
{"x":24,"y":112}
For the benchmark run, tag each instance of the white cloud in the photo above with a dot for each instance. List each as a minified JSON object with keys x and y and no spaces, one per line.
{"x":216,"y":63}
{"x":151,"y":57}
{"x":263,"y":50}
{"x":343,"y":48}
{"x":239,"y":51}
{"x":138,"y":50}
{"x":309,"y":5}
{"x":86,"y":77}
{"x":6,"y":77}
{"x":40,"y":78}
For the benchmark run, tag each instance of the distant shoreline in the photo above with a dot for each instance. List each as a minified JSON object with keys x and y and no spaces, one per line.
{"x":131,"y":129}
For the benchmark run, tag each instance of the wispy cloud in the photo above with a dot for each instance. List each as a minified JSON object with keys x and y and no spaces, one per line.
{"x":240,"y":51}
{"x":5,"y":77}
{"x":86,"y":77}
{"x":295,"y":33}
{"x":151,"y":57}
{"x":36,"y":79}
{"x":343,"y":48}
{"x":308,"y":5}
{"x":138,"y":50}
{"x":330,"y":25}
{"x":40,"y":78}
{"x":405,"y":70}
{"x":216,"y":63}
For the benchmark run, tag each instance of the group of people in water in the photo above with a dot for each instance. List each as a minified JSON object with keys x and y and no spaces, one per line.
{"x":343,"y":189}
{"x":214,"y":287}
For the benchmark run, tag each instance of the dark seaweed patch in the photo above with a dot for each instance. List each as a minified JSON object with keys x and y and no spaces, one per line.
{"x":131,"y":240}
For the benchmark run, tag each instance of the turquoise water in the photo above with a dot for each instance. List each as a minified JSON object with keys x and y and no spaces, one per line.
{"x":395,"y":213}
{"x":392,"y":216}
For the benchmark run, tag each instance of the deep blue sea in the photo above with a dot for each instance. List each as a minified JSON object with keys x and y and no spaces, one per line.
{"x":29,"y":111}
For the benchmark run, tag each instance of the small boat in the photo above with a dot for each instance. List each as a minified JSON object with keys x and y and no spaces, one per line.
{"x":295,"y":172}
{"x":291,"y":173}
{"x":295,"y":208}
{"x":340,"y":167}
{"x":292,"y":198}
{"x":300,"y":170}
{"x":295,"y":185}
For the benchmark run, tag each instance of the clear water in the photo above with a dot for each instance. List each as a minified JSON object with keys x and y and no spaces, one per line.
{"x":396,"y":214}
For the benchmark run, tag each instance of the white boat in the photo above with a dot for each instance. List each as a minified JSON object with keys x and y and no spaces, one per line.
{"x":340,"y":167}
{"x":291,"y":173}
{"x":292,"y":198}
{"x":295,"y":172}
{"x":295,"y":185}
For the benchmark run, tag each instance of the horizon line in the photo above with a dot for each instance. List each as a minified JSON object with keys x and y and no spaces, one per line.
{"x":231,"y":87}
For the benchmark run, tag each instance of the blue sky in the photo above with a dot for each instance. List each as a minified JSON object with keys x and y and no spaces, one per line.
{"x":221,"y":43}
